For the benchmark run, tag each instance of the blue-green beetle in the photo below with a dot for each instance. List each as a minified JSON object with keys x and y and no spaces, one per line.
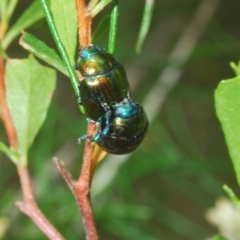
{"x":105,"y":98}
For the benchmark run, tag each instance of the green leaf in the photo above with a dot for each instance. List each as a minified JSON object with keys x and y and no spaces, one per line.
{"x":41,"y":50}
{"x":235,"y":67}
{"x":101,"y":28}
{"x":218,"y":237}
{"x":92,"y":3}
{"x":11,"y":154}
{"x":28,"y":18}
{"x":227,"y":101}
{"x":3,"y":11}
{"x":147,"y":17}
{"x":96,"y":8}
{"x":10,"y":9}
{"x":113,"y":27}
{"x":52,"y":26}
{"x":29,"y":88}
{"x":65,"y":18}
{"x":232,"y":196}
{"x":3,"y":53}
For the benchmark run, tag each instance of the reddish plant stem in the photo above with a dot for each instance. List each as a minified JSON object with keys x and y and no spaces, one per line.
{"x":87,"y":165}
{"x":83,"y":201}
{"x":81,"y":187}
{"x":29,"y":206}
{"x":83,"y":184}
{"x":84,"y":23}
{"x":5,"y":114}
{"x":80,"y":190}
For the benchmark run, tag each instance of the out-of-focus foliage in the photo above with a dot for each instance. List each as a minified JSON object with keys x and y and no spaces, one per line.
{"x":227,"y":106}
{"x":164,"y":189}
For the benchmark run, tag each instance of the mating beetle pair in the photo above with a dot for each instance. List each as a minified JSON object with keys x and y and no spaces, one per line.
{"x":105,"y":99}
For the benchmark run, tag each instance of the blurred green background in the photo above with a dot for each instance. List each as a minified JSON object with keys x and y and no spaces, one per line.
{"x":163,"y":190}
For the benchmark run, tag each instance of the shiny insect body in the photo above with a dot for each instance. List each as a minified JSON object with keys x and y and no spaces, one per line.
{"x":105,"y":99}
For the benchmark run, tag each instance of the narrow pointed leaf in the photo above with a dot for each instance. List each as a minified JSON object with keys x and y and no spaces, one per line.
{"x":8,"y":152}
{"x":227,"y":102}
{"x":235,"y":67}
{"x":62,"y":50}
{"x":65,"y":18}
{"x":113,"y":27}
{"x":147,"y":17}
{"x":231,"y":194}
{"x":41,"y":50}
{"x":96,"y":8}
{"x":11,"y":7}
{"x":29,"y":90}
{"x":28,"y":18}
{"x":3,"y":11}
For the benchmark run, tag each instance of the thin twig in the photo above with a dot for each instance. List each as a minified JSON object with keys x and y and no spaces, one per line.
{"x":66,"y":175}
{"x":5,"y":114}
{"x":30,"y":208}
{"x":84,"y":23}
{"x":80,"y":190}
{"x":81,"y":187}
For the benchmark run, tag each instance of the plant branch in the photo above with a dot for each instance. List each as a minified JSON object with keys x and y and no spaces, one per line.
{"x":81,"y":187}
{"x":80,"y":190}
{"x":84,"y":23}
{"x":30,"y":208}
{"x":5,"y":114}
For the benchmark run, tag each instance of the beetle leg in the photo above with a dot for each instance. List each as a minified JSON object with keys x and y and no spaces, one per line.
{"x":76,"y":66}
{"x":79,"y":99}
{"x":103,"y":132}
{"x":98,"y":136}
{"x":108,"y":123}
{"x":126,"y":99}
{"x":105,"y":106}
{"x":89,"y":120}
{"x":128,"y":96}
{"x":83,"y":138}
{"x":107,"y":117}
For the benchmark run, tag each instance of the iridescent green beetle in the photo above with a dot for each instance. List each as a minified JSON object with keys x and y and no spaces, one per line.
{"x":105,"y":97}
{"x":105,"y":81}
